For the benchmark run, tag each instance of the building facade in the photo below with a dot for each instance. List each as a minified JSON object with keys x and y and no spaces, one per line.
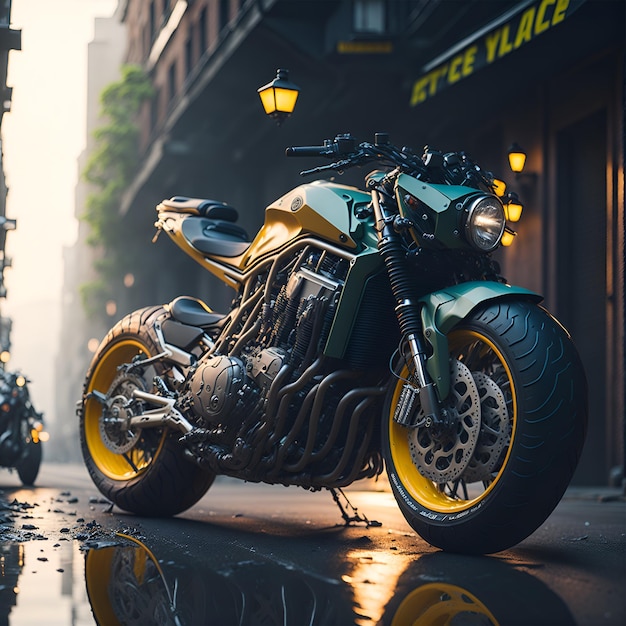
{"x":473,"y":75}
{"x":104,"y":58}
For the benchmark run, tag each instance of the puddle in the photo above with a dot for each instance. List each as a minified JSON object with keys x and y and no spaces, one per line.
{"x":121,"y":580}
{"x":128,"y":584}
{"x":38,"y":579}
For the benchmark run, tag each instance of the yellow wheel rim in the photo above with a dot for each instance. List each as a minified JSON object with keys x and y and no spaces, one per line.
{"x":100,"y":574}
{"x":97,"y":577}
{"x":113,"y":465}
{"x":464,"y":345}
{"x":441,"y":604}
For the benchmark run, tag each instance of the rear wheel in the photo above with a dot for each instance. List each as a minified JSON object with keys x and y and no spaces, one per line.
{"x":518,"y":409}
{"x":140,"y":470}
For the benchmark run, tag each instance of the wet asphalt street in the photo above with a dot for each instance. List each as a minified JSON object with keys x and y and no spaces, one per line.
{"x":257,"y":554}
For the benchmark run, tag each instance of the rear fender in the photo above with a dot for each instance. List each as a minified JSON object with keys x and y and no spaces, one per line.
{"x":442,"y":310}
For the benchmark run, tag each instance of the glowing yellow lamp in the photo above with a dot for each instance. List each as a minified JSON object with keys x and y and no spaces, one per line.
{"x":279,"y":97}
{"x":513,"y":207}
{"x":517,"y":158}
{"x":507,"y":237}
{"x":499,"y":187}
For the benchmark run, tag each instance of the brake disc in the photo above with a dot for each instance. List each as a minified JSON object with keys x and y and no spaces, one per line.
{"x":495,"y":430}
{"x":442,"y":454}
{"x":115,"y":434}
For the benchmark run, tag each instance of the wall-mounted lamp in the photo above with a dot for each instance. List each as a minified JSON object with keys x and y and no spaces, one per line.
{"x":517,"y":158}
{"x":508,"y":236}
{"x":517,"y":162}
{"x":279,"y":97}
{"x":512,"y":207}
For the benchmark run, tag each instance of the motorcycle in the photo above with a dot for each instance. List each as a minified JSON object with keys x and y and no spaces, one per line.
{"x":21,"y":428}
{"x":370,"y":330}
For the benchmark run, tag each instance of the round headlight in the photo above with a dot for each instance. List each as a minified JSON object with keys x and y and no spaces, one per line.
{"x":485,"y":222}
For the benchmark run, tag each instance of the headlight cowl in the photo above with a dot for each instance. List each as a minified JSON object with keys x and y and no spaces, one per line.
{"x":485,"y":221}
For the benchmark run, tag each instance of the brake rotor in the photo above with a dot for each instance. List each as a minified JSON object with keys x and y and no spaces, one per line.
{"x":442,"y":454}
{"x":116,"y":435}
{"x":495,"y":431}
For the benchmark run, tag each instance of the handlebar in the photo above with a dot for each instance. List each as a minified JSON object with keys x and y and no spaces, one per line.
{"x":340,"y":145}
{"x":433,"y":166}
{"x":307,"y":151}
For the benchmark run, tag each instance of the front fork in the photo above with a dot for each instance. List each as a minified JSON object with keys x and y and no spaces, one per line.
{"x":407,"y":309}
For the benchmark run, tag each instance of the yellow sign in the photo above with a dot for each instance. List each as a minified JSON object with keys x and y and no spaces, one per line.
{"x":364,"y":47}
{"x":528,"y":24}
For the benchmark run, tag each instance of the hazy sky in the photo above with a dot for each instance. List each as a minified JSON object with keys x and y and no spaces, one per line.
{"x":42,"y":136}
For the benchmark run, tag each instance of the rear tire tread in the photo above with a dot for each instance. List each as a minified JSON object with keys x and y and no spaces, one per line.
{"x":171,"y":483}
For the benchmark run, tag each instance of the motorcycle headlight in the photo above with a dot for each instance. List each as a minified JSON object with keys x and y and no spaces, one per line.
{"x":485,"y":222}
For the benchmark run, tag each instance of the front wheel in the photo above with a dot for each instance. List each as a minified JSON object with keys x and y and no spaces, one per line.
{"x":28,"y":465}
{"x":140,"y":470}
{"x":517,"y":416}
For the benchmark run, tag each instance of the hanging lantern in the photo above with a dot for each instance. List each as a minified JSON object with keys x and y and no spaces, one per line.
{"x":279,"y":97}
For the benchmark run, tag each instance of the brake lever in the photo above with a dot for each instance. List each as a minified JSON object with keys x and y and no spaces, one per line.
{"x":314,"y":170}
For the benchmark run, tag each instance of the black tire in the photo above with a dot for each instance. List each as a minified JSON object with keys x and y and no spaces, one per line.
{"x":528,"y":367}
{"x":152,"y":477}
{"x":28,"y":466}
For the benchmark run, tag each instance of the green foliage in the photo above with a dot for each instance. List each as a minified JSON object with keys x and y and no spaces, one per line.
{"x":110,"y":169}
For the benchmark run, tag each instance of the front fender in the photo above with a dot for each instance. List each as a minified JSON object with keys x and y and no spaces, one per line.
{"x":442,"y":310}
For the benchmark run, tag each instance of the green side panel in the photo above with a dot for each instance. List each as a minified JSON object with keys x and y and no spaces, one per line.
{"x":362,"y":267}
{"x":443,"y":310}
{"x":365,"y":264}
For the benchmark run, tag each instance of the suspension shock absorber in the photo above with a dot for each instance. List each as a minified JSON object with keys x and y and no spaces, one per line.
{"x":407,"y":309}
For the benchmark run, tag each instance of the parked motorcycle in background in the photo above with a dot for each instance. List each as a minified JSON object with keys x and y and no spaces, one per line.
{"x":21,"y":428}
{"x":370,"y":329}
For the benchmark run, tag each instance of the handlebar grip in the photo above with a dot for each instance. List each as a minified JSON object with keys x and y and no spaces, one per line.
{"x":307,"y":151}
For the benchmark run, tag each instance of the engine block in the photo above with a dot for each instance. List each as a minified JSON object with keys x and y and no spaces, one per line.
{"x":215,"y":388}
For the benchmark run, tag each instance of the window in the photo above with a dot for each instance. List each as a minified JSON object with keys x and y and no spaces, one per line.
{"x":188,"y":56}
{"x":152,"y":21}
{"x":369,"y":16}
{"x":224,"y":17}
{"x":171,"y":81}
{"x":202,"y":26}
{"x":154,"y":110}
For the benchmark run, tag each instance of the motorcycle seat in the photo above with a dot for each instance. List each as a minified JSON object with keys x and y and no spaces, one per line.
{"x":213,"y":209}
{"x":215,"y":237}
{"x":194,"y":312}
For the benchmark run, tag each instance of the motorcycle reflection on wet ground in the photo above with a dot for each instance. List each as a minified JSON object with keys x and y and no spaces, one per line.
{"x":125,"y":582}
{"x":130,"y":577}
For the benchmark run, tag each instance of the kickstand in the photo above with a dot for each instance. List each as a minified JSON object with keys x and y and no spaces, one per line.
{"x":356,"y":518}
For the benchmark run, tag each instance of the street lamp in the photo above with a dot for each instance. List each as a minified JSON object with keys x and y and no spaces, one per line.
{"x":279,"y":97}
{"x":517,"y":158}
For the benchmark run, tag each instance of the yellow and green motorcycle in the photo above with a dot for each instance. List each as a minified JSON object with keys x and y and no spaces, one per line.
{"x":370,"y":330}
